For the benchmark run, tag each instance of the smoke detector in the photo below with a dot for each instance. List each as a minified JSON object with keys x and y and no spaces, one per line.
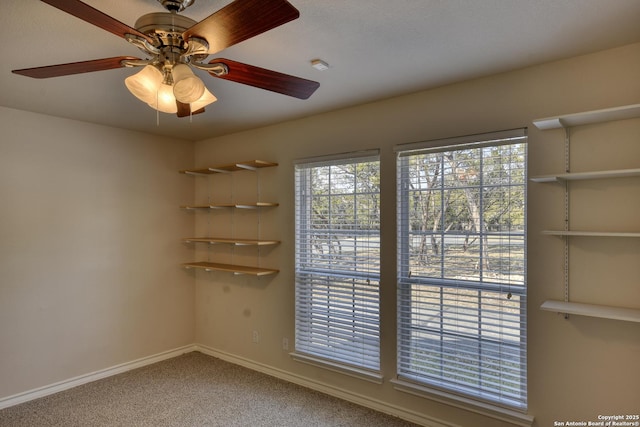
{"x":319,"y":64}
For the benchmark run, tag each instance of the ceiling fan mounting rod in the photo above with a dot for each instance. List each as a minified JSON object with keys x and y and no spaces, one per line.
{"x":175,"y":5}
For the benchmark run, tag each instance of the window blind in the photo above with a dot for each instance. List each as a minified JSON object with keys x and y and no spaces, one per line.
{"x":462,"y":266}
{"x":338,"y":259}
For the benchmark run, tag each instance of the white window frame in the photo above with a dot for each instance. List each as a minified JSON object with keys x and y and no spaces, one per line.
{"x":415,"y":356}
{"x":328,"y":333}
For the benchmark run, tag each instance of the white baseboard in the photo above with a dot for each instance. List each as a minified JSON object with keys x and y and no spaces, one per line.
{"x":358,"y":399}
{"x":93,"y":376}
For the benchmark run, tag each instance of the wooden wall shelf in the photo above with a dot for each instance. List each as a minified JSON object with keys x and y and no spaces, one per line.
{"x":230,"y":268}
{"x":255,"y":205}
{"x":233,"y":167}
{"x":237,"y":242}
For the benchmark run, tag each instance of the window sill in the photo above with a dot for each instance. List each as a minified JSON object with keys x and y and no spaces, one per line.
{"x":503,"y":414}
{"x":362,"y":374}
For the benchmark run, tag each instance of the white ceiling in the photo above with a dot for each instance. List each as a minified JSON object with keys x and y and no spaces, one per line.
{"x":376,"y":49}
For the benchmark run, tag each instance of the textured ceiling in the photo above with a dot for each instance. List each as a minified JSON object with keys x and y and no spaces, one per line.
{"x":376,"y":49}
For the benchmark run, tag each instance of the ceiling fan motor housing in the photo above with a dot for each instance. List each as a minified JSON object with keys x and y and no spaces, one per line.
{"x":169,"y":46}
{"x":165,"y":27}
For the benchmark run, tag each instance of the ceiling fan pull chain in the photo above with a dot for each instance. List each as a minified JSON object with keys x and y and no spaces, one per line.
{"x":157,"y":110}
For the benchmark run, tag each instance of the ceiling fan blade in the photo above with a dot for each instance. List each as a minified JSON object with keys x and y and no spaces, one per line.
{"x":184,"y":110}
{"x":266,"y":79}
{"x":241,"y":20}
{"x":95,"y":17}
{"x":74,"y":67}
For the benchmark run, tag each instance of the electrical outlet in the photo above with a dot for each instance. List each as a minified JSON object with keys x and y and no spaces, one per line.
{"x":255,"y":338}
{"x":285,"y":344}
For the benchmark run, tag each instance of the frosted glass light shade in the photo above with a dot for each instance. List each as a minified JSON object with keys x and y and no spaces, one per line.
{"x":144,"y":84}
{"x":164,"y":101}
{"x":187,"y":87}
{"x":147,"y":85}
{"x":206,"y":99}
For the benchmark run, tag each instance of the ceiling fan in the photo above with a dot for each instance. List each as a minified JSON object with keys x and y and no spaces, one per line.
{"x":173,"y":43}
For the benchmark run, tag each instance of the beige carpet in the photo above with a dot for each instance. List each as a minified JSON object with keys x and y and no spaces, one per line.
{"x":192,"y":390}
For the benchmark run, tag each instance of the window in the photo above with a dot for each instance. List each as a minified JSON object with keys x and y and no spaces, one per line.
{"x":462,"y":266}
{"x":338,"y":260}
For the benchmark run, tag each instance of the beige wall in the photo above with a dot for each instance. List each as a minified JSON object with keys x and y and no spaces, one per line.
{"x":579,"y":368}
{"x":89,"y":248}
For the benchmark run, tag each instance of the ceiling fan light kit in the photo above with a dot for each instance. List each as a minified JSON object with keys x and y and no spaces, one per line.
{"x":174,"y":44}
{"x":155,"y":89}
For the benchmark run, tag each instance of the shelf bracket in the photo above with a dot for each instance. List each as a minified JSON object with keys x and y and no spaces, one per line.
{"x":219,"y":170}
{"x":567,"y":204}
{"x":247,"y":167}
